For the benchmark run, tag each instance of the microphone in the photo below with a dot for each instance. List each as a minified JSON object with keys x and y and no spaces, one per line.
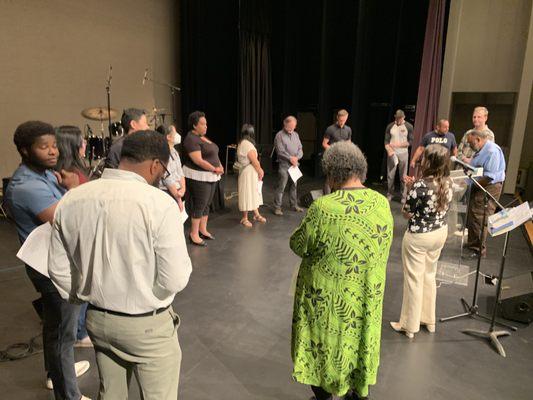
{"x":89,"y":130}
{"x":463,"y":164}
{"x":145,"y":78}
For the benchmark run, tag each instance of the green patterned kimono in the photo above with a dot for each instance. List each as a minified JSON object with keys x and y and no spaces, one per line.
{"x":344,"y":242}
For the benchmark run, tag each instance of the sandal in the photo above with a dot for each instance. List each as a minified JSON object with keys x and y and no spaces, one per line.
{"x":260,"y":218}
{"x":246,"y":223}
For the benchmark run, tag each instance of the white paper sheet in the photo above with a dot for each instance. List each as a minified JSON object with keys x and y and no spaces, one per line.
{"x":184,"y":214}
{"x":509,"y":219}
{"x":295,"y":173}
{"x":34,"y":251}
{"x":260,"y":187}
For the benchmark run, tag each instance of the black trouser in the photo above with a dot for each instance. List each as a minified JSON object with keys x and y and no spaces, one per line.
{"x":320,"y":393}
{"x":476,"y":211}
{"x":60,"y":324}
{"x":201,"y":195}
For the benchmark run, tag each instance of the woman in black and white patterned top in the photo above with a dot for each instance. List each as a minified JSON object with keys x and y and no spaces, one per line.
{"x":426,"y":208}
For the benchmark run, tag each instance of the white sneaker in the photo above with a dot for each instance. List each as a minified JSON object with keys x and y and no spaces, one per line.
{"x":85,"y":397}
{"x":80,"y":367}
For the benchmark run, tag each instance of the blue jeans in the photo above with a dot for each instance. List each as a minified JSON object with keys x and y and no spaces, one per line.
{"x":60,"y":321}
{"x":82,"y":329}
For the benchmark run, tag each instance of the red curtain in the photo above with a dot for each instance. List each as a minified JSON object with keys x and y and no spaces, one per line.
{"x":430,"y":73}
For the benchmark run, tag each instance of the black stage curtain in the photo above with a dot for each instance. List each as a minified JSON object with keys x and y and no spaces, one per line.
{"x":255,"y":67}
{"x":209,"y":66}
{"x":257,"y":61}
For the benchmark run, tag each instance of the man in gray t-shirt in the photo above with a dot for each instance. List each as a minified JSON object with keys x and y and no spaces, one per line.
{"x":337,"y":132}
{"x":398,"y":138}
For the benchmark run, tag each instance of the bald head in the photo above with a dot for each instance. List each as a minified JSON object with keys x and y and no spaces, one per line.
{"x":443,"y":126}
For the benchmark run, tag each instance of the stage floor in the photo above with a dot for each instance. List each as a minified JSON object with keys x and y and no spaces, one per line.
{"x":236,"y":323}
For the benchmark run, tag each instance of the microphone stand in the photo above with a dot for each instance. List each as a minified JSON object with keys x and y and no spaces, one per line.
{"x":173,"y":90}
{"x":108,"y":91}
{"x":473,"y":310}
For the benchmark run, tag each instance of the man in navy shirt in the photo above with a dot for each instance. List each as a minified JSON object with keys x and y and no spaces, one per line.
{"x":440,"y":135}
{"x":31,"y":198}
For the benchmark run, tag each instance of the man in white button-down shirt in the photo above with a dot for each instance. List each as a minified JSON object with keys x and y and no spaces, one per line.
{"x":118,"y":244}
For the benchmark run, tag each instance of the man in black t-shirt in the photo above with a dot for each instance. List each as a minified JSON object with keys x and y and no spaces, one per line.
{"x":441,"y":136}
{"x":337,"y":132}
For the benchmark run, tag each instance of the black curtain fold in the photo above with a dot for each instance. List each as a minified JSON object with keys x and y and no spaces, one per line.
{"x":255,"y":84}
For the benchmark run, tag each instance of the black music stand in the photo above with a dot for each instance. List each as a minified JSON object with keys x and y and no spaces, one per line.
{"x":491,"y":334}
{"x":473,"y":309}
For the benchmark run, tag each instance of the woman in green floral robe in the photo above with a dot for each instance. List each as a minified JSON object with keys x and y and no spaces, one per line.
{"x":344,"y":242}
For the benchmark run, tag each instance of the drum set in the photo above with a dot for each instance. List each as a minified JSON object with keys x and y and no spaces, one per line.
{"x":98,"y":144}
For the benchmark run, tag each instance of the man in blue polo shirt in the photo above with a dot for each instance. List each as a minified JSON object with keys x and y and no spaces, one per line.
{"x":31,"y":198}
{"x":441,"y":135}
{"x":489,"y":156}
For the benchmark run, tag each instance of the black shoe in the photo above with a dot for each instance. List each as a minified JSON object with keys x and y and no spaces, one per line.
{"x":470,"y":255}
{"x":212,"y":237}
{"x":201,"y":244}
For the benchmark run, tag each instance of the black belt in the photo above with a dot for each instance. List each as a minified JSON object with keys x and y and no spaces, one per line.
{"x":121,"y":314}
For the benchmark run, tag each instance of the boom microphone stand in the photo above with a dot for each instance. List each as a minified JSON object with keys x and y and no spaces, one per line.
{"x":173,"y":90}
{"x":473,"y":310}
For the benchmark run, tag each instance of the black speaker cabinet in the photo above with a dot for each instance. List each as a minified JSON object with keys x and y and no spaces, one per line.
{"x":516,"y":299}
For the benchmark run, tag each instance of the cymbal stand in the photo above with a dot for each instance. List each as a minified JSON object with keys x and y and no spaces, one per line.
{"x":108,"y":92}
{"x":173,"y":90}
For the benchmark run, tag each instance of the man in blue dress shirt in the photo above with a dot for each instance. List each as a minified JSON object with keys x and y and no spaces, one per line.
{"x":490,"y":157}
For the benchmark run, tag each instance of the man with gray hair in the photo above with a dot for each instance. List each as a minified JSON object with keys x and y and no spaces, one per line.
{"x":489,"y":156}
{"x":289,"y":150}
{"x":398,"y":138}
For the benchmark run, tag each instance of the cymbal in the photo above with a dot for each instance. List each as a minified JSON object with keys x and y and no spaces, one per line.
{"x":98,"y":113}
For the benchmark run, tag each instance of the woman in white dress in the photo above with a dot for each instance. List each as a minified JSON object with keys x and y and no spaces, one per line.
{"x":250,"y":173}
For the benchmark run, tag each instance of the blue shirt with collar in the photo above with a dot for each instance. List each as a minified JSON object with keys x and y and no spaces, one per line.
{"x":28,"y":194}
{"x":491,"y":158}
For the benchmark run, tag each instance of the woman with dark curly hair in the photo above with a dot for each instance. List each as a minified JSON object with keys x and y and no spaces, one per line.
{"x":344,"y":242}
{"x":426,"y":208}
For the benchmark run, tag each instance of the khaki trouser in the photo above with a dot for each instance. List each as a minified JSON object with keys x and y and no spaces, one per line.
{"x":420,"y":253}
{"x":145,"y":346}
{"x":403,"y":164}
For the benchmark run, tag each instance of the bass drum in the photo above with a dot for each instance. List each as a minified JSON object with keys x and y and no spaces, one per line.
{"x":116,"y":129}
{"x":95,"y":148}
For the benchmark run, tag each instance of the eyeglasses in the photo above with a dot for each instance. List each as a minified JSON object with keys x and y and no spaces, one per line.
{"x":167,"y":172}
